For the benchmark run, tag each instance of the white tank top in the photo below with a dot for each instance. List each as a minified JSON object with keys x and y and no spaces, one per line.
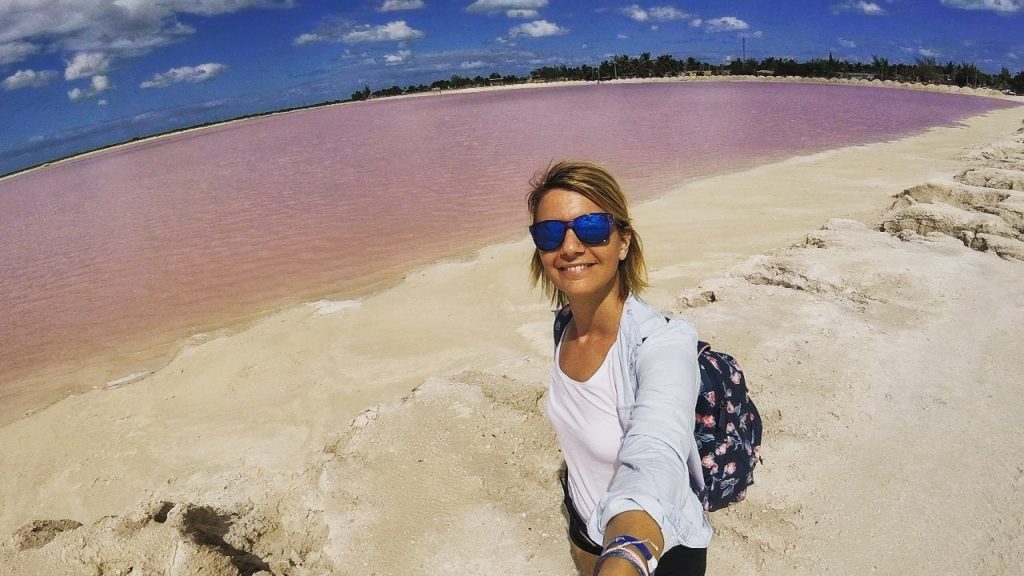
{"x":586,"y":422}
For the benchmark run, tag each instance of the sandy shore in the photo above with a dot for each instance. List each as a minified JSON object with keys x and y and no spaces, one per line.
{"x":403,"y":434}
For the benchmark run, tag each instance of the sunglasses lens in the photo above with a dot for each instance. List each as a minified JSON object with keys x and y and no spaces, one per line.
{"x":548,"y":235}
{"x":593,"y":228}
{"x":589,"y":228}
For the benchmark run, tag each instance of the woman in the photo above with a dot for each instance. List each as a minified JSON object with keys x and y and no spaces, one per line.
{"x":623,"y":387}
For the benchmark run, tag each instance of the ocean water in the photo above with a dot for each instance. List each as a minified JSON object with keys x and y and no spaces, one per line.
{"x":114,"y":253}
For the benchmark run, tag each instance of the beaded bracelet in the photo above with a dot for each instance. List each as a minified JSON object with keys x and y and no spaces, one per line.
{"x":628,"y":540}
{"x":625,"y":540}
{"x":626,"y":554}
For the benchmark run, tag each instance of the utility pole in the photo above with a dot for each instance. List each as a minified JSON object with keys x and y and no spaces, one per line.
{"x":744,"y":49}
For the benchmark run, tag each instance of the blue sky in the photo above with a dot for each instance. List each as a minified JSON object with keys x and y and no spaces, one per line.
{"x":84,"y":73}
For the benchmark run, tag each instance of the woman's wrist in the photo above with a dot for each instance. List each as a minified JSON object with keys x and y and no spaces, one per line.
{"x":620,"y":562}
{"x":627,"y":554}
{"x":642,"y":548}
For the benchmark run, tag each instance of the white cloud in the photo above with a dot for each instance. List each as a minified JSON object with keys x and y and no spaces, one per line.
{"x":394,"y":5}
{"x":192,"y":74}
{"x":392,"y":31}
{"x":29,"y":79}
{"x":494,"y":6}
{"x":118,"y":28}
{"x":1005,"y":6}
{"x":696,"y":22}
{"x":847,"y":43}
{"x":666,"y":13}
{"x":474,"y":65}
{"x":1011,"y":55}
{"x":636,"y":13}
{"x":522,"y":13}
{"x":397,"y":31}
{"x":537,"y":29}
{"x":309,"y":38}
{"x":101,"y":102}
{"x":860,"y":6}
{"x":622,"y":37}
{"x":726,"y":24}
{"x":920,"y":51}
{"x":86,"y":64}
{"x":11,"y":52}
{"x":397,"y":58}
{"x":98,"y":85}
{"x":656,"y":13}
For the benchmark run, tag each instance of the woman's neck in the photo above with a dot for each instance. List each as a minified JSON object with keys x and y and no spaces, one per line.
{"x":597,"y":318}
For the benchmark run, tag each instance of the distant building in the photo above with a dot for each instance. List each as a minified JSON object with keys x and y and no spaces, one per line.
{"x":860,"y":75}
{"x":764,"y":73}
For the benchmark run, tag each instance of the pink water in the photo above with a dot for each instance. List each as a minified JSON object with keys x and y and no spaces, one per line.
{"x":108,"y":255}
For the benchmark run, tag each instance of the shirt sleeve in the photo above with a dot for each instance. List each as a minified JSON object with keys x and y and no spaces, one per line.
{"x":658,"y":439}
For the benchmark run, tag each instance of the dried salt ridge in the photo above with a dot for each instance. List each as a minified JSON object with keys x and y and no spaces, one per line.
{"x":983,"y":206}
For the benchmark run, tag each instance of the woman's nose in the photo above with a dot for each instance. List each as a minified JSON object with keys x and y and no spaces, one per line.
{"x":571,"y":244}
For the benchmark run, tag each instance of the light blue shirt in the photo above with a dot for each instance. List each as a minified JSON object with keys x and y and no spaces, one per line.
{"x":657,"y":385}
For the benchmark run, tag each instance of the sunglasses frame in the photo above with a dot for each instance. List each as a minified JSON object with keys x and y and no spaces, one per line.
{"x":567,"y":225}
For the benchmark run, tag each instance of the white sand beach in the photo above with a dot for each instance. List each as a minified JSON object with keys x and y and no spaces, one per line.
{"x":404,"y":433}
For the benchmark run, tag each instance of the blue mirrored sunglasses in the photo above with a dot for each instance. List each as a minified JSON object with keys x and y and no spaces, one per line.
{"x":593,"y":229}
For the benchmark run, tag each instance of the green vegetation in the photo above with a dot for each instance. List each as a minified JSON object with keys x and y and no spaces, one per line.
{"x":924,"y":70}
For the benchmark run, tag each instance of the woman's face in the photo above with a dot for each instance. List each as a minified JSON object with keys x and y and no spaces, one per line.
{"x":577,"y":269}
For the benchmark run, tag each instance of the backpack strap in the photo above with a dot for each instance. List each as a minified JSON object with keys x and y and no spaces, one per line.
{"x":562,"y":320}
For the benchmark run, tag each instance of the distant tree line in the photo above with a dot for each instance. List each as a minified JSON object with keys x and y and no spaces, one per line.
{"x":927,"y":70}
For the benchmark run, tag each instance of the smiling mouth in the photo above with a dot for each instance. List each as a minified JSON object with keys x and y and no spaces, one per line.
{"x":575,"y":268}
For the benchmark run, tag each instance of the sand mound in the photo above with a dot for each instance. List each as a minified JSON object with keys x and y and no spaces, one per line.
{"x":39,"y":533}
{"x":1006,"y":154}
{"x":981,"y":207}
{"x":1003,"y":179}
{"x":154,"y":538}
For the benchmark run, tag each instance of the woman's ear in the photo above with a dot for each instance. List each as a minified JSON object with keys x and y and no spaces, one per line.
{"x":627,"y":237}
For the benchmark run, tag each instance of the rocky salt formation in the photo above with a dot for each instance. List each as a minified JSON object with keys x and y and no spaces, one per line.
{"x":998,"y":178}
{"x":982,"y":206}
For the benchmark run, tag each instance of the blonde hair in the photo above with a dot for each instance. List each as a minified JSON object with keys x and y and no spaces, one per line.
{"x":599,"y":186}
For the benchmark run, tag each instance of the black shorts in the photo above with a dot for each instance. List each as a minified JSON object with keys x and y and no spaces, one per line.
{"x":678,"y":561}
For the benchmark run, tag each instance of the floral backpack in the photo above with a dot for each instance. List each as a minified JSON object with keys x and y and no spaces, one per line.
{"x":727,"y":429}
{"x":727,"y":426}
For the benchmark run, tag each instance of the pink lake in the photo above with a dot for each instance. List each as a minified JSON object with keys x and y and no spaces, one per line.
{"x":120,"y":253}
